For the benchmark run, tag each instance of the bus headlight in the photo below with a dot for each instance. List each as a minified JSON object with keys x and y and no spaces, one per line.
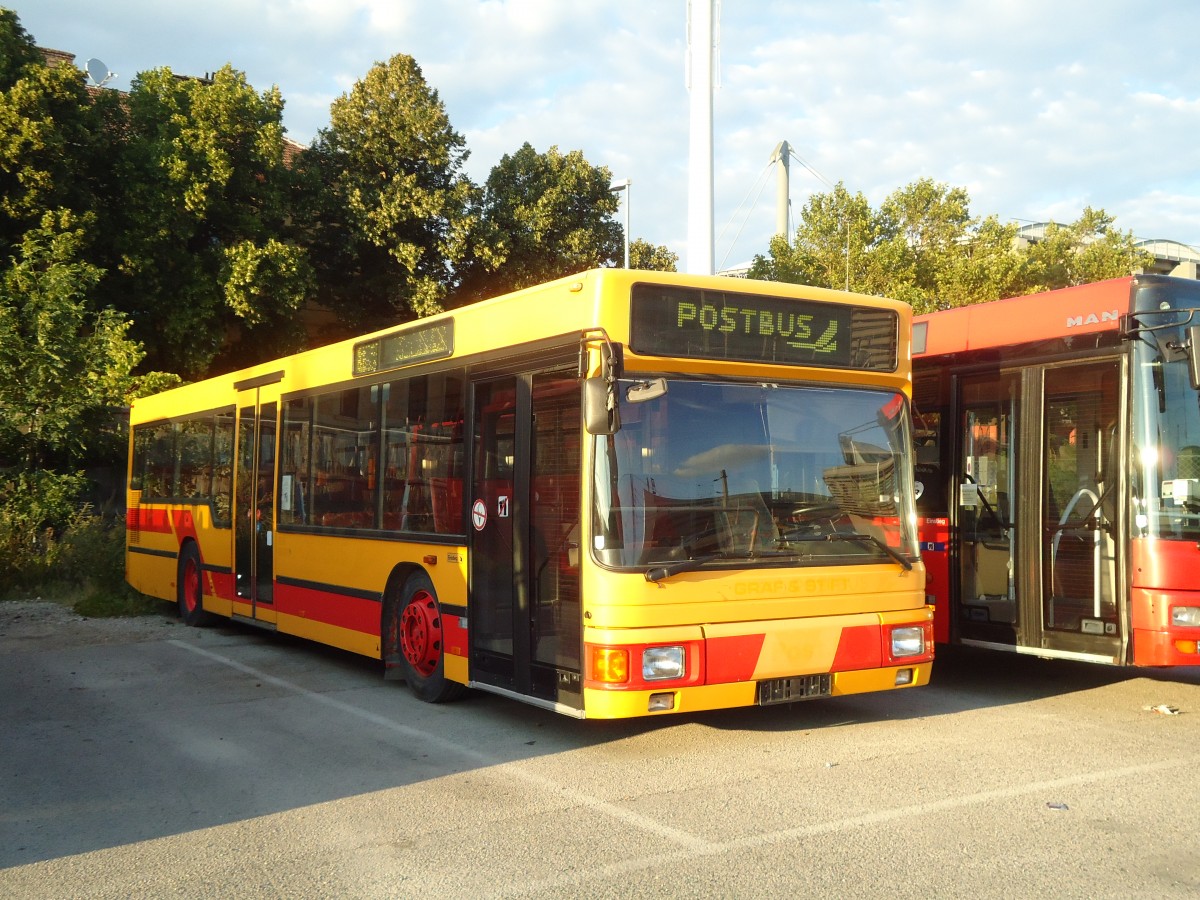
{"x":908,"y":641}
{"x":1185,"y":616}
{"x":662,"y":663}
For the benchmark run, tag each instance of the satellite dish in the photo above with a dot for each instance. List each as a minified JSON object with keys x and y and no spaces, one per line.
{"x":98,"y":72}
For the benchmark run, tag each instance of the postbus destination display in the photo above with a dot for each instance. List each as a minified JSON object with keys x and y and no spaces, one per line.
{"x":670,"y":321}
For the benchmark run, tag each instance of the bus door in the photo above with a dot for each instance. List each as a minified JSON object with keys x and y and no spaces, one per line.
{"x":1037,"y":520}
{"x":1079,"y":491}
{"x":253,"y":504}
{"x":524,"y":607}
{"x":987,"y":505}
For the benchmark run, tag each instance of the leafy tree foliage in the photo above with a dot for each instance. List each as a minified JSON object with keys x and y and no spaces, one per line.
{"x":829,"y":247}
{"x":1088,"y":249}
{"x":383,"y":200}
{"x":63,"y":365}
{"x":924,"y":247}
{"x":17,"y":49}
{"x":197,"y":246}
{"x":47,"y":141}
{"x":652,"y":257}
{"x":987,"y":267}
{"x":65,"y":362}
{"x":545,"y":216}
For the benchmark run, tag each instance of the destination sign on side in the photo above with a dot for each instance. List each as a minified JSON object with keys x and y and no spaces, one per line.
{"x":401,"y":348}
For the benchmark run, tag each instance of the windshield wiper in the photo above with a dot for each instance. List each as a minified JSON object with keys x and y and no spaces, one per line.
{"x":658,"y":573}
{"x":871,"y":539}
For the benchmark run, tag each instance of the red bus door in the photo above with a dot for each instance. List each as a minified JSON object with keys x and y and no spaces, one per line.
{"x":524,"y":611}
{"x":253,"y":503}
{"x":988,"y":503}
{"x":1082,"y":527}
{"x":1037,"y":516}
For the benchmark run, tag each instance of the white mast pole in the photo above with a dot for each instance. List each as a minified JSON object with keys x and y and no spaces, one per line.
{"x":782,"y":155}
{"x":700,"y":163}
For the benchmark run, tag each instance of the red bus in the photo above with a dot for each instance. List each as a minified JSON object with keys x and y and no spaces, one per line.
{"x":1058,"y":471}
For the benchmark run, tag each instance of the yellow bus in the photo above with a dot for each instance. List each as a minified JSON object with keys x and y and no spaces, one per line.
{"x":621,"y":493}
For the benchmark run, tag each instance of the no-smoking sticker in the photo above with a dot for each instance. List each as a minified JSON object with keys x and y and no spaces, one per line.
{"x":479,"y":515}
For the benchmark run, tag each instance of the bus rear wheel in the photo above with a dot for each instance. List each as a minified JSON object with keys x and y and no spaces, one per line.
{"x":416,"y":630}
{"x":190,"y":588}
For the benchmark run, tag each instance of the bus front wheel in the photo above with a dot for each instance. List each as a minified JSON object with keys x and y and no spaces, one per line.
{"x":416,"y":630}
{"x":190,"y":587}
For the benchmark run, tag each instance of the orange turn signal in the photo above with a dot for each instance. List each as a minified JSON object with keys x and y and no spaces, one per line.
{"x":609,"y":665}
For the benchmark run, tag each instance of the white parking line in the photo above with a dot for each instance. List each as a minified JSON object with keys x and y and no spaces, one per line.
{"x":584,"y":877}
{"x":690,"y":846}
{"x":475,"y":757}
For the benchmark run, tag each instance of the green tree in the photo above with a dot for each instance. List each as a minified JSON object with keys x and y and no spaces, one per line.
{"x":48,"y":143}
{"x":652,"y":257}
{"x":17,"y":49}
{"x":63,"y":365}
{"x":384,"y":202}
{"x":925,"y":226}
{"x":543,"y":216}
{"x":198,"y":251}
{"x":1089,"y":249}
{"x":831,"y":246}
{"x":986,"y":267}
{"x":924,"y":247}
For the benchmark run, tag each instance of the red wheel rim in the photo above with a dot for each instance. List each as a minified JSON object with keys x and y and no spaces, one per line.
{"x":421,"y":633}
{"x":191,"y":585}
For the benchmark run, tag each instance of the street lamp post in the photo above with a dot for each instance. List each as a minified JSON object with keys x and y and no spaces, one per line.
{"x":616,"y":187}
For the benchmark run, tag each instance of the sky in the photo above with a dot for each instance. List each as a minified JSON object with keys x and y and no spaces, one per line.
{"x":1038,"y":108}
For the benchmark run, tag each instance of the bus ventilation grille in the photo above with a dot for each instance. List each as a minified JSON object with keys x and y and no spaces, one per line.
{"x":789,"y":690}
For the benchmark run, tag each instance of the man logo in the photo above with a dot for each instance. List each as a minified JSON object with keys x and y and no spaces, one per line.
{"x":1093,"y":319}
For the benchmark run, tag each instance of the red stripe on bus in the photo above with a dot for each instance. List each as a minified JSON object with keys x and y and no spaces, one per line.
{"x":154,"y":520}
{"x":223,"y":585}
{"x":354,"y":613}
{"x":732,"y":658}
{"x":860,"y":647}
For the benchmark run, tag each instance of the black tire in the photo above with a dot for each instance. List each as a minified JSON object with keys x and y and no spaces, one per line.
{"x":190,"y":588}
{"x":414,"y":635}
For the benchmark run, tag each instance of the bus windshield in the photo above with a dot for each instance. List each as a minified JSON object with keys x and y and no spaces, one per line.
{"x":705,"y":474}
{"x":1166,"y":480}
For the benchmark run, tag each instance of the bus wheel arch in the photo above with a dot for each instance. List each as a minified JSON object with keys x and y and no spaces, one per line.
{"x":412,"y":636}
{"x":189,"y":583}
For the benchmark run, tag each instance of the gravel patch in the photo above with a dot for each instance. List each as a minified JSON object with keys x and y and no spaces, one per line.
{"x":33,"y":624}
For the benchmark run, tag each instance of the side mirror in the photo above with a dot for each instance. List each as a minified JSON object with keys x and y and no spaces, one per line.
{"x":1193,"y":355}
{"x":601,"y":413}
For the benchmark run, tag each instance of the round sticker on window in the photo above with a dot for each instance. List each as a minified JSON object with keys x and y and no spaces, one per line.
{"x":479,"y":515}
